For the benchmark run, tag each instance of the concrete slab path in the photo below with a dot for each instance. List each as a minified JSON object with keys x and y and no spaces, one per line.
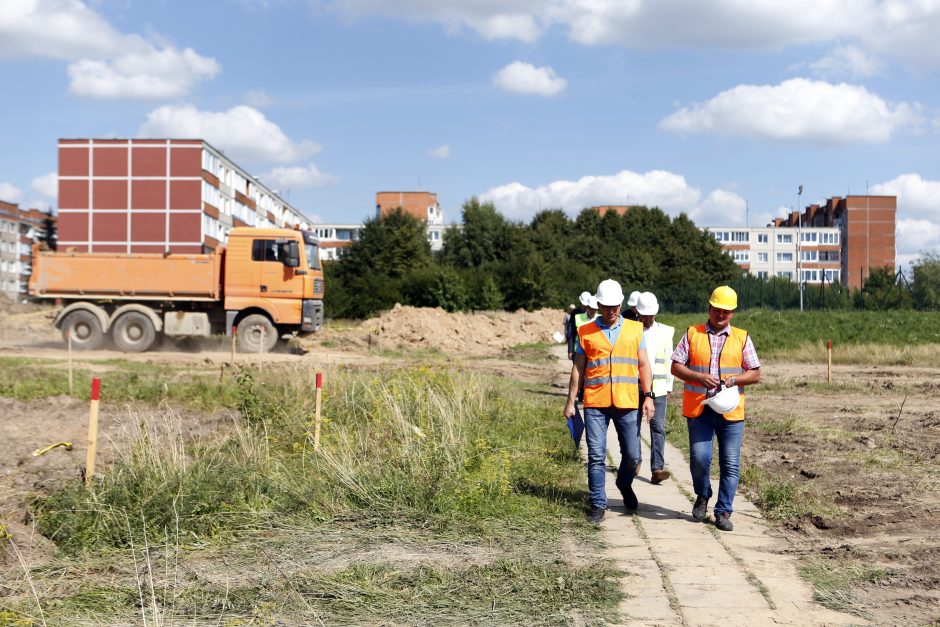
{"x":684,"y":572}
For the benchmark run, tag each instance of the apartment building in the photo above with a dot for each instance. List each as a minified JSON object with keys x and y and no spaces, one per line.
{"x":159,"y":195}
{"x":19,"y":230}
{"x":836,"y":242}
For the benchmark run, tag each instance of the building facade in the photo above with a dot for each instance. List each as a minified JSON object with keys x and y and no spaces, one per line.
{"x":838,"y":242}
{"x":158,"y":196}
{"x":19,"y":230}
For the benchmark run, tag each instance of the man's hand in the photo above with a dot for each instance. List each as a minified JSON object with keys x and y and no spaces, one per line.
{"x":649,"y":409}
{"x":569,"y":410}
{"x":710,"y":381}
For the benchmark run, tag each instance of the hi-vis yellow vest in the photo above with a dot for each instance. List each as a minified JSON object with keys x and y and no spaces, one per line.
{"x":659,"y":349}
{"x":581,"y":319}
{"x":612,"y":374}
{"x":730,"y":362}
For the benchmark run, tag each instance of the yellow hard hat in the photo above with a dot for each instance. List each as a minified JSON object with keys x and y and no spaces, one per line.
{"x":724,"y":298}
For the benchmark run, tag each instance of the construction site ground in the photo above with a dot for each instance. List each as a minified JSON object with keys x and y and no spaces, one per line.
{"x":842,"y":476}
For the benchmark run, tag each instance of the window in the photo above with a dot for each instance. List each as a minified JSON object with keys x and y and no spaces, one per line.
{"x":785,"y":275}
{"x":761,"y":257}
{"x":808,"y":237}
{"x":740,"y":255}
{"x":829,"y":255}
{"x":808,"y":255}
{"x":722,"y":236}
{"x":268,"y":250}
{"x":811,"y":276}
{"x":762,"y":274}
{"x":832,"y":276}
{"x":739,"y":236}
{"x":785,"y":257}
{"x":828,"y":238}
{"x":761,"y":238}
{"x":785,"y":239}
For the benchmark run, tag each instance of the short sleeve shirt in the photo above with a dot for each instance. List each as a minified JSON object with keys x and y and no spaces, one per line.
{"x":717,"y":341}
{"x":611,"y":333}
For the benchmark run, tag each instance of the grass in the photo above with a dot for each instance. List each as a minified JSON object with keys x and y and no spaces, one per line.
{"x":834,"y":582}
{"x":422,"y":457}
{"x":781,"y":498}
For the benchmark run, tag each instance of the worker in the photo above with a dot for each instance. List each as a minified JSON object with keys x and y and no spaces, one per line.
{"x":580,"y":317}
{"x":610,"y":359}
{"x":709,"y":358}
{"x":659,"y":338}
{"x":631,"y":314}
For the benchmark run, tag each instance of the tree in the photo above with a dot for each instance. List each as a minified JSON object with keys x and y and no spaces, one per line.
{"x":482,"y":240}
{"x":926,"y":273}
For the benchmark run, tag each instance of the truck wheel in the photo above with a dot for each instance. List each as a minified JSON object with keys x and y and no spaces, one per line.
{"x":250,"y":333}
{"x":133,"y":332}
{"x":85,"y":329}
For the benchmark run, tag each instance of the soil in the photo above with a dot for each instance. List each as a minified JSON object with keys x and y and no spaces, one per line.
{"x":873,"y":464}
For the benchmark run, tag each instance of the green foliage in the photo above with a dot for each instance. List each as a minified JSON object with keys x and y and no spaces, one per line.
{"x":926,"y":279}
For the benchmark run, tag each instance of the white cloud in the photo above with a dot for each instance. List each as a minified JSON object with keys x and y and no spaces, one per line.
{"x":296,"y":177}
{"x":848,"y":61}
{"x":441,"y":152}
{"x":46,"y":185}
{"x":524,"y":78}
{"x":9,"y":192}
{"x":918,"y":198}
{"x":657,"y":188}
{"x":242,"y":132}
{"x":258,"y":98}
{"x":105,"y":63}
{"x":797,"y":110}
{"x":720,"y":208}
{"x":146,"y":73}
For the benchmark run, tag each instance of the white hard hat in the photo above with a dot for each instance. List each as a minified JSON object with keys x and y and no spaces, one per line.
{"x":609,"y":293}
{"x":587,"y":299}
{"x":725,"y":401}
{"x":634,"y":296}
{"x":647,"y":305}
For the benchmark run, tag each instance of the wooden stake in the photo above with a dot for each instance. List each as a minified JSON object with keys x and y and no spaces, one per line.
{"x":261,"y":350}
{"x":234,"y":333}
{"x":316,"y":424}
{"x":68,"y":337}
{"x":829,"y":361}
{"x":92,"y":430}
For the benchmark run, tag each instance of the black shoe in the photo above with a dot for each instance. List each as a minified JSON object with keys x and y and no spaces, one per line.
{"x":700,"y":509}
{"x":723,"y":521}
{"x":596,"y":515}
{"x":629,"y":498}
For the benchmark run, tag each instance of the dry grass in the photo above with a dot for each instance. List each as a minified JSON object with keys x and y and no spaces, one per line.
{"x":864,"y":354}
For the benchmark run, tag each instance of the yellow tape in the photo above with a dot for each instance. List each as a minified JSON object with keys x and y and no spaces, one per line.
{"x":40,"y":451}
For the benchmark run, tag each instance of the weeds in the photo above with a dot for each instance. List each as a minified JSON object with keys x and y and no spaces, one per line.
{"x":834,"y":582}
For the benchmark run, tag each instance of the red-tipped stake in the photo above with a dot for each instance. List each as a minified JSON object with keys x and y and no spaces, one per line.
{"x":234,"y":333}
{"x":829,"y":360}
{"x":92,"y":430}
{"x":316,"y":428}
{"x":68,"y":337}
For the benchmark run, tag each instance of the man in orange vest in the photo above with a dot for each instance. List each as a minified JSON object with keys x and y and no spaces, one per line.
{"x":709,"y":358}
{"x":610,"y":358}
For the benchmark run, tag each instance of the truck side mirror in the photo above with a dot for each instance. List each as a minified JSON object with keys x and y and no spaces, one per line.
{"x":292,"y":258}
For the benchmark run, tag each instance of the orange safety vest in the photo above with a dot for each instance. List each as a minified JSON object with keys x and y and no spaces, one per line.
{"x":612,"y":372}
{"x":730,"y":362}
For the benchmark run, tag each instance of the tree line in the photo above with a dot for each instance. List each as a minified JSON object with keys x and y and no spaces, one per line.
{"x":494,"y":263}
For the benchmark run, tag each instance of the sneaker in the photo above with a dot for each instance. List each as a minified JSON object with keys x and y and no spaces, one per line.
{"x":636,"y":473}
{"x":659,"y":476}
{"x":629,"y":498}
{"x":700,"y":509}
{"x":596,"y":515}
{"x":723,"y":521}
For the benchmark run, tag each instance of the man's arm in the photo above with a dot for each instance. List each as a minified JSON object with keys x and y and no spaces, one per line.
{"x":574,"y":383}
{"x":703,"y":379}
{"x":648,"y":408}
{"x":748,"y":377}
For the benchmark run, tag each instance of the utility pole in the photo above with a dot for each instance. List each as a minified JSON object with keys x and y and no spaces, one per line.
{"x":799,"y":243}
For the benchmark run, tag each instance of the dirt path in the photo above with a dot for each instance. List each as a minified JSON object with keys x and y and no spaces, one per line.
{"x":682,"y":572}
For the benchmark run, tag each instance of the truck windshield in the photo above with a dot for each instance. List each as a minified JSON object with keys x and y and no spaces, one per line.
{"x":313,"y":256}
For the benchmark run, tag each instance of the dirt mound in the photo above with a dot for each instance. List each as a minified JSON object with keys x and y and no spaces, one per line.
{"x":27,"y":323}
{"x":480,"y":333}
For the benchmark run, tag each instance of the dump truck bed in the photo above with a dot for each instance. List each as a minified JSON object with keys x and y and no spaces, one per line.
{"x":126,"y":276}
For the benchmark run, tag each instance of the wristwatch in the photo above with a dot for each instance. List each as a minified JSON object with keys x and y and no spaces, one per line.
{"x":648,"y":394}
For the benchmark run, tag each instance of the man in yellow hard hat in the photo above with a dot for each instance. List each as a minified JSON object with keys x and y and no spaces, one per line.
{"x":708,"y":358}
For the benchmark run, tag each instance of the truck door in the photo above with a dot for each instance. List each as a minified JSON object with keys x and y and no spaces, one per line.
{"x":277,"y":283}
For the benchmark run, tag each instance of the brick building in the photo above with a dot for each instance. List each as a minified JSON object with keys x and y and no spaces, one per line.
{"x":422,"y":205}
{"x":19,"y":230}
{"x":836,"y":242}
{"x":158,"y":195}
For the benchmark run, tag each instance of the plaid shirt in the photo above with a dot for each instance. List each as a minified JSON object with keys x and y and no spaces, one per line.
{"x":717,"y":341}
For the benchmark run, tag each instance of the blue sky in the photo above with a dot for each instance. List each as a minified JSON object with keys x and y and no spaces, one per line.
{"x":705,"y":107}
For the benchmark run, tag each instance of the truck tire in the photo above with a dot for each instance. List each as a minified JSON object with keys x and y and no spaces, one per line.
{"x":250,"y":332}
{"x":133,"y":332}
{"x":85,"y":329}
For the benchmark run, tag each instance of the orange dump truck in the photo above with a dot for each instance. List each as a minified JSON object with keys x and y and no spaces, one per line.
{"x":266,"y":284}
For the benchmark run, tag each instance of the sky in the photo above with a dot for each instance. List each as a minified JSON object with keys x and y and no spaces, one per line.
{"x":720,"y":109}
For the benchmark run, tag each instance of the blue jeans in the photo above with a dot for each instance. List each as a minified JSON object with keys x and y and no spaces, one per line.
{"x":702,"y":431}
{"x":596,"y":421}
{"x":658,"y":434}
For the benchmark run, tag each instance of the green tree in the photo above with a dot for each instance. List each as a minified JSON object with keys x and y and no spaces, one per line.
{"x":926,"y":279}
{"x":482,"y":240}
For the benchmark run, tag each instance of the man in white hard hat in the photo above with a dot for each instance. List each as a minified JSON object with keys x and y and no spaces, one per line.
{"x":610,"y":359}
{"x":710,"y":357}
{"x":658,"y":338}
{"x":630,"y":313}
{"x":579,"y":318}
